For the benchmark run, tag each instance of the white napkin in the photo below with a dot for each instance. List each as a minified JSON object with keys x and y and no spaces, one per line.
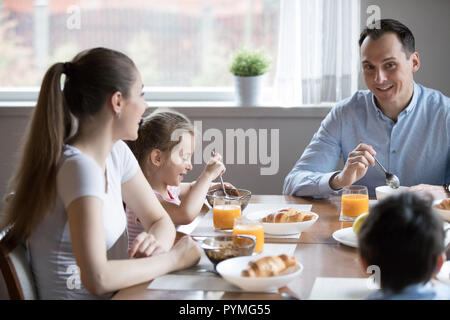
{"x":341,"y":288}
{"x":190,"y":282}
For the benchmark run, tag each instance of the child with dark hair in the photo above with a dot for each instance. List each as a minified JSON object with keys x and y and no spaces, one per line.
{"x":404,"y":237}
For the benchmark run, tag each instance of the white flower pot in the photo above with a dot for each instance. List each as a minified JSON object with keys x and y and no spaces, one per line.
{"x":247,"y":90}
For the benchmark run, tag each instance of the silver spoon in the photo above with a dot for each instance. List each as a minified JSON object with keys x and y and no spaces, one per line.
{"x":391,"y":179}
{"x":213,"y":153}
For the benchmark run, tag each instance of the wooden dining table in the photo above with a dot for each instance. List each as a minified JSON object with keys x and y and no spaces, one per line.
{"x":316,"y":250}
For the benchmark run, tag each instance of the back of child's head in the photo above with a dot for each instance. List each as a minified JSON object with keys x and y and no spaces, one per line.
{"x":403,"y":236}
{"x":162,"y":129}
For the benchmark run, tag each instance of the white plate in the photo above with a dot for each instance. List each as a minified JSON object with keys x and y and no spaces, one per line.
{"x":282,"y":228}
{"x":346,"y":236}
{"x":444,"y":273}
{"x":445,"y":214}
{"x":231,"y":269}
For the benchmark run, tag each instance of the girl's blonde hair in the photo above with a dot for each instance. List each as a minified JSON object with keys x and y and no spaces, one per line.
{"x":91,"y":77}
{"x":157,"y":132}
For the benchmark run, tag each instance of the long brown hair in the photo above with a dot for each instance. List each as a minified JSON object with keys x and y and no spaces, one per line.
{"x":91,"y":77}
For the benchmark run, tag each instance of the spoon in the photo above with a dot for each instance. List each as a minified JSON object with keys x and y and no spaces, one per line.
{"x":213,"y":153}
{"x":391,"y":179}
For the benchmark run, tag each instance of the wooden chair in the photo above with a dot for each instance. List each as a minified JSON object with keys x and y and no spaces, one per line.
{"x":16,"y":271}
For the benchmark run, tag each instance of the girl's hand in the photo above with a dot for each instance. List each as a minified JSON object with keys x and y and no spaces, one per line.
{"x":145,"y":245}
{"x":214,"y":167}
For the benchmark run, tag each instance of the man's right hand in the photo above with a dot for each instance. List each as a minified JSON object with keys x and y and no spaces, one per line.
{"x":356,"y":166}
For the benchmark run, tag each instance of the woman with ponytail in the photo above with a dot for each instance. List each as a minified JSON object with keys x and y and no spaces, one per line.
{"x":74,"y":174}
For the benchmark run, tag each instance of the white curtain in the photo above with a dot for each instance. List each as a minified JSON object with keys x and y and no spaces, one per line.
{"x":318,"y":51}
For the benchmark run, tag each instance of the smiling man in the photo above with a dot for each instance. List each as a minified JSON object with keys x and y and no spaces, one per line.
{"x":404,"y":124}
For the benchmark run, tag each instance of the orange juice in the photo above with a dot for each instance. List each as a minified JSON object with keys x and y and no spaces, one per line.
{"x":354,"y":204}
{"x":256,"y":230}
{"x":224,"y":215}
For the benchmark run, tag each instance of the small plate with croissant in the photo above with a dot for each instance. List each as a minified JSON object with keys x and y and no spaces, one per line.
{"x":443,"y":208}
{"x":258,"y":274}
{"x":285,"y":221}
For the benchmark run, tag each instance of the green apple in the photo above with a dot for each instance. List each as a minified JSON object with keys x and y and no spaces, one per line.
{"x":359,"y":222}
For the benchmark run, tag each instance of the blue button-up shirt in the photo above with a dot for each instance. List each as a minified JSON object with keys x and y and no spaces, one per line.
{"x":416,"y":148}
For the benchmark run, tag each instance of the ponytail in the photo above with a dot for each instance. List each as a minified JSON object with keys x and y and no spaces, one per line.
{"x":34,"y":180}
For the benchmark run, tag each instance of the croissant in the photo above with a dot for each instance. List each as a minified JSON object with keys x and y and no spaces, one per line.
{"x":445,"y":204}
{"x":288,"y":215}
{"x":269,"y":266}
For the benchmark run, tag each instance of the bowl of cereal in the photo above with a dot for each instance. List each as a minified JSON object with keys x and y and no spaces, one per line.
{"x":241,"y":195}
{"x":220,"y":248}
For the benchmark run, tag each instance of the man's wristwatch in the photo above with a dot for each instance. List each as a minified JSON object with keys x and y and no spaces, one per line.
{"x":331,"y":178}
{"x":447,"y":187}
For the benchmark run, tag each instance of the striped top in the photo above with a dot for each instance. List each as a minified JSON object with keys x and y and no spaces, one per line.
{"x":133,"y":224}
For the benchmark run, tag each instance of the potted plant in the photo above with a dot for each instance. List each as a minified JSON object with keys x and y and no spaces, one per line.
{"x":248,"y":68}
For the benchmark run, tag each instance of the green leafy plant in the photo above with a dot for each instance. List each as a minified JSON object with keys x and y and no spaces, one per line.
{"x":249,"y":63}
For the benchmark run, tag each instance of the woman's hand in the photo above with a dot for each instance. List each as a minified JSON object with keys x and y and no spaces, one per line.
{"x":186,"y":253}
{"x":145,"y":245}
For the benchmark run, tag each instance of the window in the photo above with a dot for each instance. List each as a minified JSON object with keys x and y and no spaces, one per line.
{"x":181,"y":46}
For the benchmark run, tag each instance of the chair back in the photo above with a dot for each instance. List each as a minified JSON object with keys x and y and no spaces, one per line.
{"x":16,"y":270}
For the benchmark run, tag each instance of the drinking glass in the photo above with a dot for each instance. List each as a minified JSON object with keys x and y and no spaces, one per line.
{"x":252,"y":228}
{"x":224,"y":213}
{"x":354,"y":202}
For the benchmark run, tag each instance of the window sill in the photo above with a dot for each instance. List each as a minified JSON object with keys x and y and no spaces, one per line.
{"x":203,"y":109}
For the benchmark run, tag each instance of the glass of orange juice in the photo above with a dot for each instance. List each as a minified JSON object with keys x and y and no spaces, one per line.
{"x":354,"y":202}
{"x":224,"y":213}
{"x":252,"y":228}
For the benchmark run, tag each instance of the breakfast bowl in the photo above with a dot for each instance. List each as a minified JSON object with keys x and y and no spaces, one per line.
{"x":231,"y":271}
{"x":383,"y":192}
{"x":241,"y":195}
{"x":220,"y":248}
{"x":443,"y":208}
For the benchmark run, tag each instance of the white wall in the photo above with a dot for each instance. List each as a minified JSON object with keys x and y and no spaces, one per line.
{"x":430,"y":25}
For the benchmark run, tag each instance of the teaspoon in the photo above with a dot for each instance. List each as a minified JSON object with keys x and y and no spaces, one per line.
{"x":391,"y":179}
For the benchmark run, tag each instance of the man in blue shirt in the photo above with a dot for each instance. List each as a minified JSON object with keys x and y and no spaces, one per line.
{"x":405,"y":125}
